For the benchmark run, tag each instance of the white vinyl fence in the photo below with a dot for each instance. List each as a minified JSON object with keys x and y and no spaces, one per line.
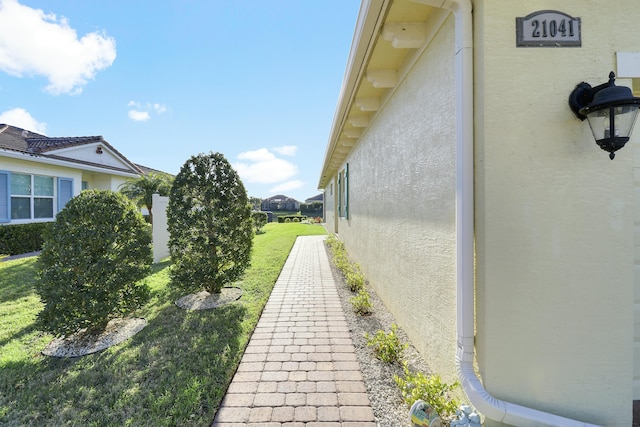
{"x":160,"y":232}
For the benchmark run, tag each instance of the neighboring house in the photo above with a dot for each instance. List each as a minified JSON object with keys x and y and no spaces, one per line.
{"x":40,"y":174}
{"x":280,"y":203}
{"x":315,"y":199}
{"x":314,"y":206}
{"x":481,"y":210}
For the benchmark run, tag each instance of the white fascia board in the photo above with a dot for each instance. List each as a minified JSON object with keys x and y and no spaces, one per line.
{"x":57,"y":162}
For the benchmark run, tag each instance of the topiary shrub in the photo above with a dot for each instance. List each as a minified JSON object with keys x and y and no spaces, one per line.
{"x":94,"y":256}
{"x":209,"y":223}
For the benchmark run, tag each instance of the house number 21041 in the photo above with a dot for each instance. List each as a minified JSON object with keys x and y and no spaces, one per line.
{"x":548,"y":28}
{"x":554,"y":30}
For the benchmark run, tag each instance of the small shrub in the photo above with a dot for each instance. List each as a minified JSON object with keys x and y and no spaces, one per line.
{"x":331,"y":240}
{"x":431,"y":389}
{"x":93,"y":259}
{"x":387,"y":347}
{"x":355,"y":278}
{"x":342,"y":262}
{"x":259,"y":220}
{"x":361,"y":303}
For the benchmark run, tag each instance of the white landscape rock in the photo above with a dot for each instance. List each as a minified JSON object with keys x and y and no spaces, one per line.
{"x":81,"y":344}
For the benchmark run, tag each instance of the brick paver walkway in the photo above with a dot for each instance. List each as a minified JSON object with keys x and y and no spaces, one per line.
{"x":300,"y":367}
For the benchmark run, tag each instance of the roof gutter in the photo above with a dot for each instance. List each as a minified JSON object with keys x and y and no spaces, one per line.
{"x":488,"y":405}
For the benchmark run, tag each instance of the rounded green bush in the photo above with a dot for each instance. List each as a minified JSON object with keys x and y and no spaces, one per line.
{"x":209,"y":223}
{"x":94,"y":256}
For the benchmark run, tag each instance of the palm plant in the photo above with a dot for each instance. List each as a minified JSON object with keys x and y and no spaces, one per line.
{"x":142,"y":189}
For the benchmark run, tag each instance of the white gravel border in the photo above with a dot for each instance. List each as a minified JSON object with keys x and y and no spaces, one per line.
{"x":384,"y":394}
{"x":81,"y":344}
{"x":205,"y":300}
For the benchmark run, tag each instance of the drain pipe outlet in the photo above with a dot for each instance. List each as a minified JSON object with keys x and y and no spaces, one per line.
{"x":486,"y":404}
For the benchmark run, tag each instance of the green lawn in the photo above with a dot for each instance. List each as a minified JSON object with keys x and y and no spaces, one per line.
{"x":172,"y":373}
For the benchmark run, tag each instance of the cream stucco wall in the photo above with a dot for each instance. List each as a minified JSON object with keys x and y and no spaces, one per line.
{"x":401,"y":227}
{"x":554,"y":218}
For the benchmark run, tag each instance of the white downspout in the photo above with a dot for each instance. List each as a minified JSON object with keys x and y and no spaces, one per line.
{"x":486,"y":404}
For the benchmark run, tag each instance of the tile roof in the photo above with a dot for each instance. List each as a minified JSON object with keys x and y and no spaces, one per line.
{"x":20,"y":140}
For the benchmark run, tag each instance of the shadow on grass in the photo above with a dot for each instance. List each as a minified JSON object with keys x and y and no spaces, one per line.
{"x":174,"y":372}
{"x":17,"y":279}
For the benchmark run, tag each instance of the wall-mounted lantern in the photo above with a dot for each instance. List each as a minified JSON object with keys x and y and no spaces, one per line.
{"x":611,"y":111}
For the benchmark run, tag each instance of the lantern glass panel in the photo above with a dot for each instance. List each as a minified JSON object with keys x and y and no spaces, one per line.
{"x":600,"y":121}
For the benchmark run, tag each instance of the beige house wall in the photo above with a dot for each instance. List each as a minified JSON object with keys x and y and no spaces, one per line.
{"x":554,"y":218}
{"x":401,"y":226}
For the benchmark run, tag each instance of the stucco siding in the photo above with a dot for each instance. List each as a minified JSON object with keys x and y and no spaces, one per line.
{"x":401,"y":226}
{"x":554,"y":219}
{"x":330,"y":208}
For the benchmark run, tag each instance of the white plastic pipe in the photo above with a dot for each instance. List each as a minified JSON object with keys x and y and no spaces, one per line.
{"x":495,"y":409}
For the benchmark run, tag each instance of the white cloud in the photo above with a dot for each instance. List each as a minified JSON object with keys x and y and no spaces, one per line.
{"x":35,"y":43}
{"x":287,"y":186}
{"x":159,"y":108}
{"x":21,"y":118}
{"x":262,"y":166}
{"x":139,"y":116}
{"x":261,"y":155}
{"x":286,"y":150}
{"x":142,"y":112}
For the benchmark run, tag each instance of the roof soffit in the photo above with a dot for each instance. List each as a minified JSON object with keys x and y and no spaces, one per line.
{"x":404,"y":30}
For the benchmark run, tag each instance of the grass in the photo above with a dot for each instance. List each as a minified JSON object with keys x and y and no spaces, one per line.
{"x":173,"y":373}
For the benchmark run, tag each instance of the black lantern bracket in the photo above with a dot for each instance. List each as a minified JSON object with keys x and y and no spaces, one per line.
{"x":610,"y":110}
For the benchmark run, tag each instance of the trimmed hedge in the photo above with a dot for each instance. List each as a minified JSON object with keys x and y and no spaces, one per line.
{"x":18,"y":239}
{"x":292,"y":218}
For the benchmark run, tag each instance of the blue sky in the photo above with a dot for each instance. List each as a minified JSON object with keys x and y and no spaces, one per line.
{"x":162,"y":80}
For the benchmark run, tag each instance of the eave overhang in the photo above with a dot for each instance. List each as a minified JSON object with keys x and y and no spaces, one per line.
{"x":388,"y":38}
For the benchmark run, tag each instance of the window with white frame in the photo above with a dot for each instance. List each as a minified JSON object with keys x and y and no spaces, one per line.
{"x":32,"y":197}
